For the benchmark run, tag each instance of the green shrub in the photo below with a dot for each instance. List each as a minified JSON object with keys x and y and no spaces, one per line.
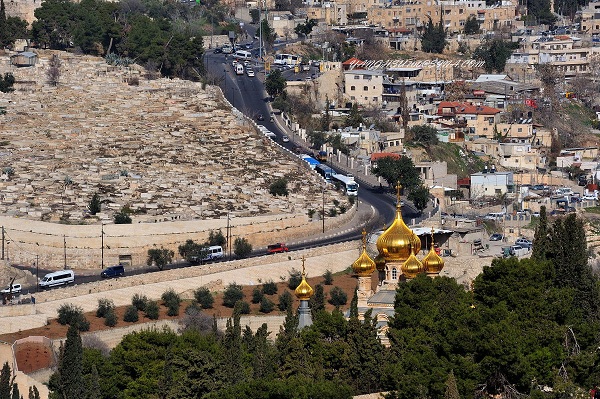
{"x":172,"y":301}
{"x":337,"y":297}
{"x":131,"y":314}
{"x":328,"y":277}
{"x":244,"y":307}
{"x":104,"y":306}
{"x":257,"y":295}
{"x":279,"y":187}
{"x":232,"y":294}
{"x":285,"y":301}
{"x":110,"y":317}
{"x":269,"y":288}
{"x":266,"y":305}
{"x":152,"y":311}
{"x":295,"y":279}
{"x":204,"y":298}
{"x":242,"y":247}
{"x":139,"y":301}
{"x":73,"y":316}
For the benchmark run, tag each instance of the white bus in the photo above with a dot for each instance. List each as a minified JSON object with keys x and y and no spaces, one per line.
{"x":287,"y":59}
{"x":347,"y":182}
{"x":242,"y":55}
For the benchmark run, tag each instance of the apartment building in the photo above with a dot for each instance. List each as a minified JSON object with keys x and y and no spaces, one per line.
{"x":564,"y":53}
{"x":467,"y":119}
{"x":331,"y":13}
{"x":491,"y":183}
{"x":413,"y":15}
{"x":590,"y":18}
{"x":364,"y":87}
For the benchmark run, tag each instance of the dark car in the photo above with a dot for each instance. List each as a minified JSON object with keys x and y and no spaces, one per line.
{"x":260,"y":117}
{"x":113,"y":271}
{"x":496,"y":237}
{"x":276,"y":248}
{"x":218,"y":50}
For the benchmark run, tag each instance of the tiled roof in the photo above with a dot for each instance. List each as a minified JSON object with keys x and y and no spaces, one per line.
{"x":466,"y":108}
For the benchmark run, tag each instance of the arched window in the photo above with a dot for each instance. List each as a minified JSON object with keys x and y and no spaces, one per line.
{"x":394,"y":274}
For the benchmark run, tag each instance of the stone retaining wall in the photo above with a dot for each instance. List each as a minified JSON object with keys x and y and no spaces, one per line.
{"x":177,"y":274}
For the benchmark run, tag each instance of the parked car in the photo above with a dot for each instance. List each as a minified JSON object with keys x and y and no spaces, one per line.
{"x":524,"y":242}
{"x":285,"y":139}
{"x":16,"y":289}
{"x":218,"y":50}
{"x":276,"y":248}
{"x":496,"y":237}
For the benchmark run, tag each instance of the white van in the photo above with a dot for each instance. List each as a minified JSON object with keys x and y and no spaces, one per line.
{"x":242,"y":55}
{"x":239,"y":69}
{"x":214,"y":252}
{"x":62,"y":277}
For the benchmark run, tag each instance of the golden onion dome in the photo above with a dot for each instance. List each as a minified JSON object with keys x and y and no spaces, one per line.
{"x":380,"y":262}
{"x":412,"y":266}
{"x":364,"y":265}
{"x":396,"y":242}
{"x":303,"y":291}
{"x":433,"y":263}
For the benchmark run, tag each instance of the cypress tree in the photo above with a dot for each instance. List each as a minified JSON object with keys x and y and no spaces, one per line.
{"x":317,"y":301}
{"x":15,"y":392}
{"x":354,"y":304}
{"x":34,"y":393}
{"x":5,"y":375}
{"x":540,"y":239}
{"x":94,"y":387}
{"x":71,"y":381}
{"x":233,"y":346}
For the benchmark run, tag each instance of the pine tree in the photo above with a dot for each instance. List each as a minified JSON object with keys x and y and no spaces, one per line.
{"x":3,"y":24}
{"x":71,"y":381}
{"x":317,"y":301}
{"x":94,"y":387}
{"x":233,"y":346}
{"x":540,"y":239}
{"x":451,"y":387}
{"x":5,"y":381}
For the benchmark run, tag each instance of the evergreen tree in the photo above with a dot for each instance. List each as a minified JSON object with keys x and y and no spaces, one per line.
{"x":5,"y":381}
{"x":317,"y":301}
{"x":354,"y":118}
{"x":540,"y":239}
{"x":403,"y":107}
{"x":262,"y":352}
{"x":95,"y":205}
{"x":232,"y":342}
{"x":365,"y":355}
{"x":70,"y":367}
{"x":354,"y":304}
{"x":433,"y":39}
{"x":451,"y":388}
{"x":471,"y":25}
{"x":15,"y":392}
{"x":34,"y":393}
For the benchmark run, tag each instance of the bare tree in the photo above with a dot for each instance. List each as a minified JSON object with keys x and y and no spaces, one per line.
{"x":53,"y":72}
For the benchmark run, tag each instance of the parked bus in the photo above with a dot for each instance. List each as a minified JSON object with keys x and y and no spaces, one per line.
{"x":325,"y":171}
{"x":287,"y":59}
{"x":310,"y":161}
{"x":242,"y":55}
{"x":347,"y":183}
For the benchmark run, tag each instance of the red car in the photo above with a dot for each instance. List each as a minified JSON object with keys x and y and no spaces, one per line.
{"x":275,"y":248}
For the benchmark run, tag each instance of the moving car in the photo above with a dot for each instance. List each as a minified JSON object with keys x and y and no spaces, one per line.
{"x":113,"y":271}
{"x":276,"y":248}
{"x":218,"y":50}
{"x":16,"y":289}
{"x":285,"y":139}
{"x":260,"y":117}
{"x":496,"y":237}
{"x":249,"y":72}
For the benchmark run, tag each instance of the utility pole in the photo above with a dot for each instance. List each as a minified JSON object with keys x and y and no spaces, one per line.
{"x":260,"y":32}
{"x":2,"y":242}
{"x":102,"y":246}
{"x":37,"y":273}
{"x":65,"y":250}
{"x":228,"y":236}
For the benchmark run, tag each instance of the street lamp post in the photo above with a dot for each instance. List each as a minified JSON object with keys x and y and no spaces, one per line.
{"x":323,"y":209}
{"x":37,"y":272}
{"x":102,"y":252}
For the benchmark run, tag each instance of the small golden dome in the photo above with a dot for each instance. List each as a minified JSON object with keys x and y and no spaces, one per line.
{"x":412,"y":266}
{"x":303,"y":291}
{"x":396,"y":242}
{"x":433,"y":263}
{"x":364,"y":265}
{"x":380,"y":262}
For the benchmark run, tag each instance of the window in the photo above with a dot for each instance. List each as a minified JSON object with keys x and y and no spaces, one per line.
{"x":394,"y":274}
{"x":365,"y":88}
{"x":375,"y":99}
{"x":356,"y":76}
{"x":352,"y":88}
